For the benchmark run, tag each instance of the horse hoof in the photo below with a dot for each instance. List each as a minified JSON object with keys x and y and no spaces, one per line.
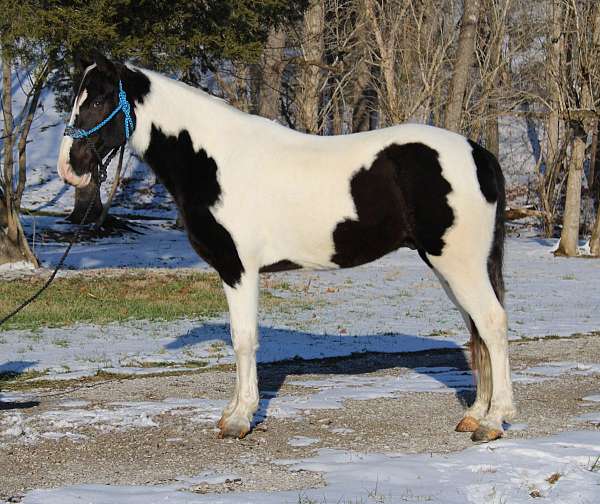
{"x":486,"y":434}
{"x":233,"y":427}
{"x":467,"y":424}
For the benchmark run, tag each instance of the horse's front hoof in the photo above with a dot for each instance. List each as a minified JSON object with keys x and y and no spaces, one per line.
{"x":233,"y":427}
{"x":486,"y":434}
{"x":467,"y":424}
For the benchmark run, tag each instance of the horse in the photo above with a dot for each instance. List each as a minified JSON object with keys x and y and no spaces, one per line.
{"x":258,"y":197}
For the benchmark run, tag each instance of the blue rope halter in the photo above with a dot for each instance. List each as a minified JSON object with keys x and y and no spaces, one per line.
{"x":123,"y":106}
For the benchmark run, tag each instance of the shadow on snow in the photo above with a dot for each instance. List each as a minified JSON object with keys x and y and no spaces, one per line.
{"x":287,"y":353}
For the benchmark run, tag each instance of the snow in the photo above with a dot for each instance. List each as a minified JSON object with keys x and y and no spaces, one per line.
{"x":592,"y":398}
{"x":17,"y":266}
{"x":556,"y":369}
{"x":557,"y":468}
{"x":298,"y":441}
{"x":593,"y":418}
{"x":118,"y":416}
{"x":325,"y":393}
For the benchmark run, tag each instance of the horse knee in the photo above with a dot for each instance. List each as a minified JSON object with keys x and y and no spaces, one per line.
{"x":245,"y":341}
{"x":493,"y":325}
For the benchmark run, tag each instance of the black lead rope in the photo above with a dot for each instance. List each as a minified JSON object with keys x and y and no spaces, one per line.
{"x":102,"y":173}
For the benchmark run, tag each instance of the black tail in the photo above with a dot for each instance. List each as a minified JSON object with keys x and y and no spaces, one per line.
{"x":491,"y":183}
{"x":496,"y":257}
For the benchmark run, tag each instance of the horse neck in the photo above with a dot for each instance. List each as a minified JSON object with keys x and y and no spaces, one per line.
{"x":173,"y":107}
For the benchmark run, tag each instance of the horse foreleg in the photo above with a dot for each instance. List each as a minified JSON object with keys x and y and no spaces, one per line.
{"x":243,"y":306}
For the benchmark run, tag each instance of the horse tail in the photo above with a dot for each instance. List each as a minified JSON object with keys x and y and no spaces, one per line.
{"x":496,"y":257}
{"x":480,"y":355}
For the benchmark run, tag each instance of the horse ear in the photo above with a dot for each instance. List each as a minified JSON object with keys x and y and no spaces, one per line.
{"x":105,"y":65}
{"x":81,"y":61}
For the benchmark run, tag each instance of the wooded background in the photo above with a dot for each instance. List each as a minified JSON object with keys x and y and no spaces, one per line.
{"x":341,"y":66}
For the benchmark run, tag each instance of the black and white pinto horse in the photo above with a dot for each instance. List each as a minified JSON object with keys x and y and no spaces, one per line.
{"x":258,"y":197}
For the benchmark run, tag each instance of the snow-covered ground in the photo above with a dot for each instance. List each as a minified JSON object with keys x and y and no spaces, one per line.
{"x":322,"y":394}
{"x":559,"y":469}
{"x":392,"y":305}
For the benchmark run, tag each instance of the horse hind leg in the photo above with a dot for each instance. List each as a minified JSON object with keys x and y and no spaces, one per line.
{"x":480,"y":362}
{"x":472,"y":288}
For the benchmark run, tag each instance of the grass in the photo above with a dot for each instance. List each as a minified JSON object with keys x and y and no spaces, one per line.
{"x":104,"y":299}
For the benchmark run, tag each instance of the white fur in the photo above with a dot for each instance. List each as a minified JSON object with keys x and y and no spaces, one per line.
{"x":64,"y":168}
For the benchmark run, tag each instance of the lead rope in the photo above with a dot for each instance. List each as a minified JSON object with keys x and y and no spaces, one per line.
{"x":102,"y":169}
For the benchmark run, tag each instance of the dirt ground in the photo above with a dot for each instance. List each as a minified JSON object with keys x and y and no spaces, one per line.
{"x":409,"y":422}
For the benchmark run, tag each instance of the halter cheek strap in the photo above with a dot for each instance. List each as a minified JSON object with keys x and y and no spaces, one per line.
{"x":123,"y":106}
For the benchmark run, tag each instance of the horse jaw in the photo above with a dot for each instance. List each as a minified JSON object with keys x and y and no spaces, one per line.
{"x":64,"y":168}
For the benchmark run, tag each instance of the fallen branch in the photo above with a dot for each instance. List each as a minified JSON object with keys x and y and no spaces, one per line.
{"x":522,"y":213}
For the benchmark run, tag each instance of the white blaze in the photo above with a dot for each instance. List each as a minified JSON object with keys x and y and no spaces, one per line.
{"x":64,"y":168}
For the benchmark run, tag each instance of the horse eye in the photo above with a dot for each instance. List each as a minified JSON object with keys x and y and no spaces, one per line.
{"x":97,"y":103}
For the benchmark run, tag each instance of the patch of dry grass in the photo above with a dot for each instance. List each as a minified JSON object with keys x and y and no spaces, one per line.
{"x":113,"y":298}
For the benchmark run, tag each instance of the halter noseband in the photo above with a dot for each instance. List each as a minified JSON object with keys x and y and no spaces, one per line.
{"x":123,"y":106}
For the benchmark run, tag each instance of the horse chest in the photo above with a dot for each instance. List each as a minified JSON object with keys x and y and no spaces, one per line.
{"x":191,"y":178}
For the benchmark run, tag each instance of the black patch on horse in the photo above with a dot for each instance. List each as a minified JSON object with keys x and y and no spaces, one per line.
{"x":485,"y":162}
{"x":401,"y":201}
{"x":284,"y":265}
{"x":135,"y":84}
{"x":191,"y":177}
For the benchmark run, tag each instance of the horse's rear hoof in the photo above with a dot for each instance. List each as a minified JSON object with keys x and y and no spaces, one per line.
{"x":467,"y":424}
{"x":486,"y":434}
{"x":234,"y":428}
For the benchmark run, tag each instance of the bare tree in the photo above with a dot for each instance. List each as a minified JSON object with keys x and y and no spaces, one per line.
{"x":270,"y":70}
{"x":582,"y":20}
{"x":463,"y":60}
{"x":594,"y":180}
{"x":408,"y":48}
{"x":310,"y":79}
{"x":13,"y":242}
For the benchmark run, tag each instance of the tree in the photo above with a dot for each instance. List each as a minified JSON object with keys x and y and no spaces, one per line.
{"x":310,"y":78}
{"x":16,"y":23}
{"x":578,"y":88}
{"x":269,"y":73}
{"x":464,"y":57}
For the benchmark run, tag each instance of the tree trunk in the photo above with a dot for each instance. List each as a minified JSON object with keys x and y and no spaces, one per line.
{"x":581,"y":66}
{"x":362,"y":94}
{"x":83,"y":197}
{"x":310,"y":72}
{"x":497,"y":21}
{"x":464,"y":57}
{"x":392,"y":112}
{"x":570,"y":232}
{"x":594,"y":181}
{"x":38,"y":84}
{"x":8,"y":144}
{"x":271,"y":71}
{"x":595,"y":239}
{"x":13,"y":243}
{"x":553,"y":158}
